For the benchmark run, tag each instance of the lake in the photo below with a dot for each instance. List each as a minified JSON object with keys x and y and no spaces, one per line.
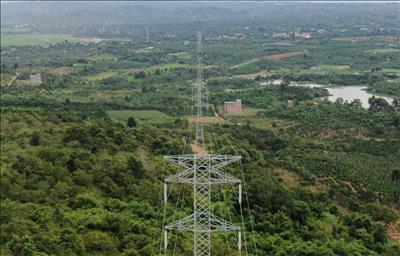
{"x":348,"y":93}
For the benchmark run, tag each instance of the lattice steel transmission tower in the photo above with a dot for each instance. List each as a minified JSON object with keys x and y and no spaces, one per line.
{"x":201,"y":171}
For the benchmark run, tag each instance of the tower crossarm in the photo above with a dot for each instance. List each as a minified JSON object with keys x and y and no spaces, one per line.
{"x":208,"y":160}
{"x":215,"y":224}
{"x":208,"y":163}
{"x":216,"y":177}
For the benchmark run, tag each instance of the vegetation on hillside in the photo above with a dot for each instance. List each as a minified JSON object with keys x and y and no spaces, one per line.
{"x":82,"y":150}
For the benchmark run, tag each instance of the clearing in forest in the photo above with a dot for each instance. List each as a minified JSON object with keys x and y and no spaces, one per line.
{"x":207,"y":119}
{"x":280,"y":56}
{"x":273,"y":57}
{"x":142,"y":116}
{"x":290,"y":178}
{"x":335,"y":68}
{"x":181,"y":55}
{"x":199,"y":150}
{"x":246,"y":111}
{"x":394,"y":231}
{"x":101,"y":75}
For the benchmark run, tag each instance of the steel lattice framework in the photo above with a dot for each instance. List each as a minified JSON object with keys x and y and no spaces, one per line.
{"x":201,"y":171}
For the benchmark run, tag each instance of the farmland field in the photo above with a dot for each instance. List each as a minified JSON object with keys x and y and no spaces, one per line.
{"x":35,"y":39}
{"x":142,"y":116}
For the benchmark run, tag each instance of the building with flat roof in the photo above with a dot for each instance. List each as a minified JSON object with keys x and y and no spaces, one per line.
{"x":35,"y":78}
{"x":233,"y":107}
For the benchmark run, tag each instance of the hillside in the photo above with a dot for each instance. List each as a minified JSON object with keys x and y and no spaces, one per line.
{"x":91,"y":103}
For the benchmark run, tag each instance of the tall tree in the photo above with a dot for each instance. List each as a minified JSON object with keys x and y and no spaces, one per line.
{"x":136,"y":166}
{"x":35,"y":139}
{"x":396,"y":174}
{"x":131,"y":122}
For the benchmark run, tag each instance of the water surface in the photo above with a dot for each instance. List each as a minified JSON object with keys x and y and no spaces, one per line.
{"x":349,"y":93}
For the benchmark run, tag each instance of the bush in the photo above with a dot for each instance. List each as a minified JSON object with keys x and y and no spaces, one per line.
{"x":97,"y":241}
{"x":35,"y":139}
{"x":85,"y":201}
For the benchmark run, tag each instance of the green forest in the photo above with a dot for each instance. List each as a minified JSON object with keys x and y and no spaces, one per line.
{"x":83,"y":146}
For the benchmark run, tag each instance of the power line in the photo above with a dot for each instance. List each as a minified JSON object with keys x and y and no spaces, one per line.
{"x":201,"y":170}
{"x":199,"y":85}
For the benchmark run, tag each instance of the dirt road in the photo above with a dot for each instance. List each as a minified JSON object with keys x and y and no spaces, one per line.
{"x":12,"y":79}
{"x":273,"y":57}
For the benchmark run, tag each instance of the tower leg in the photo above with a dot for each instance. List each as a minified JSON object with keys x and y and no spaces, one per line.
{"x":240,"y":193}
{"x":165,"y":240}
{"x":165,"y":192}
{"x":239,"y":241}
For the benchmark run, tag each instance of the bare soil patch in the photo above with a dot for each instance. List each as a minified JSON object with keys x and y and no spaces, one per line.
{"x":276,"y":57}
{"x":394,"y":231}
{"x":12,"y":79}
{"x":207,"y":119}
{"x":273,"y":57}
{"x":291,"y":179}
{"x":199,"y":150}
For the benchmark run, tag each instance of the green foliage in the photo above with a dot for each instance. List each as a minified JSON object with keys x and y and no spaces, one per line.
{"x":97,"y":241}
{"x":136,"y":167}
{"x":76,"y":181}
{"x":378,"y":103}
{"x":131,"y":122}
{"x":389,"y":88}
{"x":317,"y":119}
{"x":35,"y":139}
{"x":272,"y":96}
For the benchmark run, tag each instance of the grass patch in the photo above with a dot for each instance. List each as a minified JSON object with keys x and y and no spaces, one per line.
{"x":246,"y":111}
{"x":5,"y":79}
{"x":383,"y":50}
{"x":131,"y":71}
{"x":289,"y":178}
{"x":182,"y":55}
{"x":335,"y":68}
{"x":155,"y":67}
{"x":34,"y":39}
{"x":207,"y":120}
{"x":272,"y":57}
{"x":170,"y":66}
{"x":101,"y":75}
{"x":142,"y":116}
{"x":391,"y":70}
{"x":102,"y":57}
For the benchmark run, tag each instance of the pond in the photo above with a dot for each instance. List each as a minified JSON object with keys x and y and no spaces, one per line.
{"x":348,"y":93}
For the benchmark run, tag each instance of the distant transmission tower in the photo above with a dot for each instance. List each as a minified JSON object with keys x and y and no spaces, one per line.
{"x":147,"y":34}
{"x":201,"y":171}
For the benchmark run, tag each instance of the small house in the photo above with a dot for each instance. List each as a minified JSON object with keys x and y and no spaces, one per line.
{"x":233,"y":107}
{"x":35,"y":78}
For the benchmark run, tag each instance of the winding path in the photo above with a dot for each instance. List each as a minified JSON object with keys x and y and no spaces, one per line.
{"x":13,"y":79}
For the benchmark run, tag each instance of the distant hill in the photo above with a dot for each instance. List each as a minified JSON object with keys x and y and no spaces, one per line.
{"x":84,"y":13}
